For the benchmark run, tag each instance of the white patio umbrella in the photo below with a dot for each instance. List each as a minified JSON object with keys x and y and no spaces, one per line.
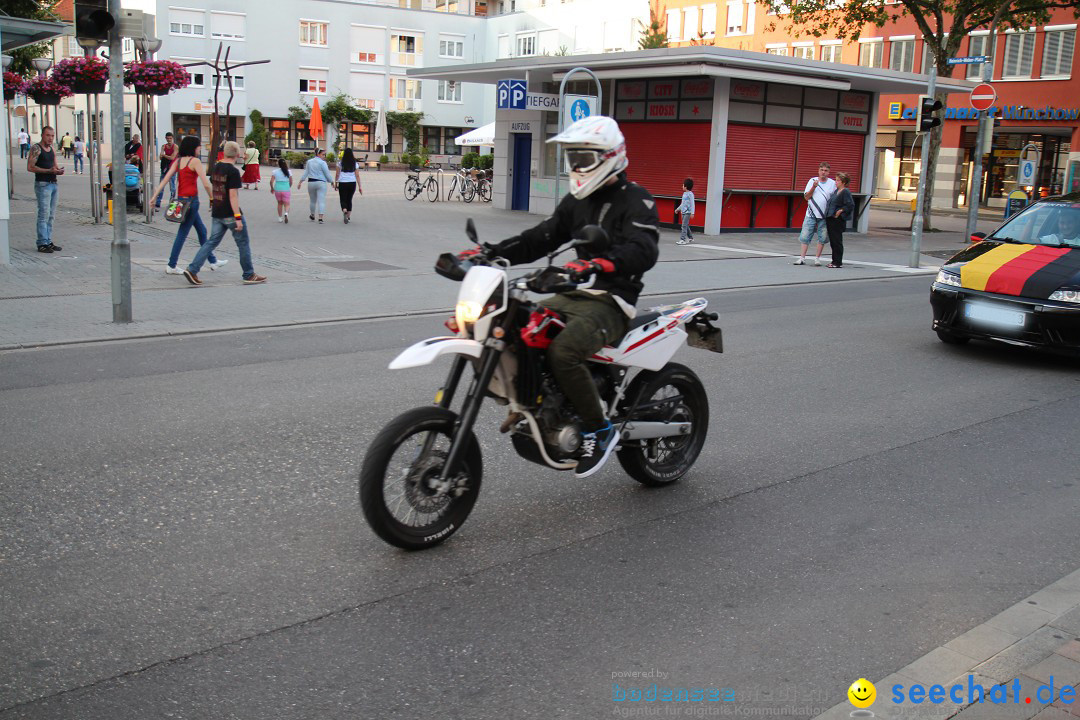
{"x":382,"y":137}
{"x":481,"y":136}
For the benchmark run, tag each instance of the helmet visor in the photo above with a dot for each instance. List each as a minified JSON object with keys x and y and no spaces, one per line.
{"x":583,"y":160}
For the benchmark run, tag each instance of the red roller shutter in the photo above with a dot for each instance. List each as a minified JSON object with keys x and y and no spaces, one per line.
{"x":662,"y":155}
{"x":843,"y":152}
{"x":760,"y":158}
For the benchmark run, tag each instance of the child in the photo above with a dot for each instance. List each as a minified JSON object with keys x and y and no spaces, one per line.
{"x":281,"y":189}
{"x":686,"y":209}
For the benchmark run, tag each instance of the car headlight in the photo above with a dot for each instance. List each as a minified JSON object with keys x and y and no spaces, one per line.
{"x":467,"y":312}
{"x":1071,"y":295}
{"x":947,"y":278}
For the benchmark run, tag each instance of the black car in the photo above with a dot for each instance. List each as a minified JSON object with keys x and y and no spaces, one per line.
{"x":1019,"y":285}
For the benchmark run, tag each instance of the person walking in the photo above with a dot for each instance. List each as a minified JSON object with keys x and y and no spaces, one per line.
{"x":281,"y":189}
{"x":837,"y":216}
{"x":24,"y":143}
{"x":686,"y":210}
{"x":169,"y":152}
{"x":251,"y":165}
{"x":80,"y":152}
{"x":189,"y":171}
{"x":226,"y":214}
{"x":317,"y":173}
{"x":65,"y":145}
{"x":819,"y":190}
{"x":346,"y":182}
{"x":42,"y":163}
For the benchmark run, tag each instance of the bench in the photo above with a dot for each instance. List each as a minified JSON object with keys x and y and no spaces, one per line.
{"x":366,"y":164}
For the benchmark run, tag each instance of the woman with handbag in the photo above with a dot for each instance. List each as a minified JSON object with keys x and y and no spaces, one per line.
{"x":189,"y":171}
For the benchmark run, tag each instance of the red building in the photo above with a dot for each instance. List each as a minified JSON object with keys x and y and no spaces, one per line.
{"x":1038,"y":95}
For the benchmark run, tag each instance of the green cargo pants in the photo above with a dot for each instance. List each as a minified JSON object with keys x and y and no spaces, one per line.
{"x":592,"y":321}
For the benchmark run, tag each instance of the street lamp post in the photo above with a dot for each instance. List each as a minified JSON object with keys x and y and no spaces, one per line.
{"x":147,"y":47}
{"x":7,"y":60}
{"x":42,"y":64}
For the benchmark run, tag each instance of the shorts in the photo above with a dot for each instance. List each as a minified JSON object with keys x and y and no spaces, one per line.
{"x":283,"y":196}
{"x":811,"y":227}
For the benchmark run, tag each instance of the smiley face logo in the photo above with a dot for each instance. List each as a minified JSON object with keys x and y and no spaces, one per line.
{"x":862,"y":693}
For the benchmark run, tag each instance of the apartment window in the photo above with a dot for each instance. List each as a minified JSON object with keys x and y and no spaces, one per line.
{"x":227,"y":26}
{"x":312,"y":86}
{"x":673,"y":18}
{"x":198,"y":78}
{"x":313,"y":32}
{"x":777,"y":50}
{"x":449,"y":91}
{"x":870,"y":54}
{"x":902,"y":55}
{"x":237,"y":82}
{"x":187,"y":22}
{"x":1019,"y":51}
{"x":449,"y":6}
{"x":526,"y":45}
{"x":1058,"y":53}
{"x":708,"y":20}
{"x":451,"y":48}
{"x":689,"y":25}
{"x":404,"y":49}
{"x":366,"y":57}
{"x":734,"y":18}
{"x":404,"y":94}
{"x":279,"y":133}
{"x":976,"y":47}
{"x":409,"y":4}
{"x":806,"y":52}
{"x":832,"y":53}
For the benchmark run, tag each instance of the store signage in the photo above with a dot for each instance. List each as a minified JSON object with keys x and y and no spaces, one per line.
{"x":662,"y":111}
{"x":1007,"y":112}
{"x":697,"y":88}
{"x":663,"y":89}
{"x":631,"y":90}
{"x":514,"y":95}
{"x":743,"y":90}
{"x":853,"y":121}
{"x":858,"y":102}
{"x":896,"y":111}
{"x":523,"y":127}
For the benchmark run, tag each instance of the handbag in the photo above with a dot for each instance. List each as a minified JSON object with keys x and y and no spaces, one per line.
{"x":178,"y":210}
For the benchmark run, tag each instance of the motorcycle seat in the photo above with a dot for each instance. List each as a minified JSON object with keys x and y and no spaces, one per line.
{"x":643,"y":318}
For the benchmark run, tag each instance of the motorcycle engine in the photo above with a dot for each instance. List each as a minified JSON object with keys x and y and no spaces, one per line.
{"x":558,"y":424}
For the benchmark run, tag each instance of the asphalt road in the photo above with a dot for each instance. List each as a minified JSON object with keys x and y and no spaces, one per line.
{"x":182,"y":537}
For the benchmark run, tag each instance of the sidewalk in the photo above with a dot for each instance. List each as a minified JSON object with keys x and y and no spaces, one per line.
{"x":379,"y":264}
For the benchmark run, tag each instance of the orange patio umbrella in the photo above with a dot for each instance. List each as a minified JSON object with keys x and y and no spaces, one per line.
{"x":315,"y":125}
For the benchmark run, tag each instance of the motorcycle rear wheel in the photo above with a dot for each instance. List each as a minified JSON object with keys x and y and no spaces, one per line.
{"x":675,"y":394}
{"x":395,"y":492}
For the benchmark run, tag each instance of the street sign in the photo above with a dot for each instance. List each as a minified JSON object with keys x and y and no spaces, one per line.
{"x":973,"y":60}
{"x":578,"y":107}
{"x":1018,"y":200}
{"x":1029,"y":166}
{"x":983,"y":96}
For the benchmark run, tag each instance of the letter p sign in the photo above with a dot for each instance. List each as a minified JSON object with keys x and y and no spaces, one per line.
{"x":510,"y":94}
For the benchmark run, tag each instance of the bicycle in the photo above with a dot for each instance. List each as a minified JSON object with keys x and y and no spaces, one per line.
{"x":414,"y":186}
{"x":483,"y":184}
{"x":463,"y":185}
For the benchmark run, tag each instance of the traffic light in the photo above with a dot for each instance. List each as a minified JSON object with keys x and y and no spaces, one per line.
{"x":925,"y":119}
{"x":93,"y":20}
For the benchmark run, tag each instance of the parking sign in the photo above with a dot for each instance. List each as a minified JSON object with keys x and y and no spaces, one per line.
{"x":510,"y":94}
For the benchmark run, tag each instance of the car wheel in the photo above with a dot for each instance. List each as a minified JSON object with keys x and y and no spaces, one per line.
{"x":949,"y":339}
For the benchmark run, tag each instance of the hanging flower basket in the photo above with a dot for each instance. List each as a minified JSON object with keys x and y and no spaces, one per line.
{"x":156,"y":77}
{"x":47,"y":91}
{"x":82,"y":75}
{"x":13,"y":85}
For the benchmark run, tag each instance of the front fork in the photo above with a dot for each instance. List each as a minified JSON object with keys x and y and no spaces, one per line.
{"x":489,"y":361}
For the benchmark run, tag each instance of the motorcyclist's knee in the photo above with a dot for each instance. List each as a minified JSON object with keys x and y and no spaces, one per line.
{"x":563,"y":356}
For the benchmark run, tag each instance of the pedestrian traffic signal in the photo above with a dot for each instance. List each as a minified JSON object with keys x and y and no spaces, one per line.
{"x":925,"y":120}
{"x":93,"y":20}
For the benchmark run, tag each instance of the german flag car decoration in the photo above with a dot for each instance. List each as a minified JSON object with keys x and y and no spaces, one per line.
{"x":1019,"y":285}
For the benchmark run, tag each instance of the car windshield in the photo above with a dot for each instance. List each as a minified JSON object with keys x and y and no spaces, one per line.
{"x":1045,"y":223}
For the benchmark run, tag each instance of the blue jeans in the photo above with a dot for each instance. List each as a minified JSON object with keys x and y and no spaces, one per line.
{"x":191,"y":220}
{"x":24,"y":150}
{"x":812,"y":226}
{"x":687,"y":233}
{"x":172,"y":189}
{"x":47,"y":194}
{"x":217,"y":231}
{"x":78,"y":162}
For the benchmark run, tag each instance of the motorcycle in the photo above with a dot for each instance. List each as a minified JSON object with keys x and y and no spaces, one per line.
{"x":422,"y":474}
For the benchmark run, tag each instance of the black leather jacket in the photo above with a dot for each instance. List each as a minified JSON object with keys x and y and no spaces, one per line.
{"x":625,"y":210}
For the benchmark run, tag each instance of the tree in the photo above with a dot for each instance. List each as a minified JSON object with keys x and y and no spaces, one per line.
{"x":655,"y":35}
{"x":34,"y":10}
{"x":409,"y":122}
{"x":943,"y":24}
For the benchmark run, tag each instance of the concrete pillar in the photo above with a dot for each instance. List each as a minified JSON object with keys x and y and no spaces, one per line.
{"x":947,"y":178}
{"x":714,"y":196}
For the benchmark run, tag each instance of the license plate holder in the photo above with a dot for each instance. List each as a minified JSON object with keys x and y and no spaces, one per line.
{"x":993,"y":316}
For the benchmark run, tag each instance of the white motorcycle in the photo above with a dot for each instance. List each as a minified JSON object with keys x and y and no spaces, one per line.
{"x":422,"y":473}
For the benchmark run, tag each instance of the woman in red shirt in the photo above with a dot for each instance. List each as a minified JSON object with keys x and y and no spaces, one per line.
{"x":189,"y":171}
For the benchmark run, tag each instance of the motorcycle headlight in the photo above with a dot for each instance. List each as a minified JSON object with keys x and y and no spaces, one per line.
{"x":1069,"y":295}
{"x":947,"y":278}
{"x":467,"y":312}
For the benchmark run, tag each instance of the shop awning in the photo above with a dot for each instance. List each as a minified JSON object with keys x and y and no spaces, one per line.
{"x":481,"y":136}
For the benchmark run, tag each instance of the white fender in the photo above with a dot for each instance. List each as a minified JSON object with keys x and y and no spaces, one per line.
{"x":425,"y":351}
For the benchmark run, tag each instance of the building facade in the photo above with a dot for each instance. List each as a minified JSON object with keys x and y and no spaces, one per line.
{"x":1038,"y":94}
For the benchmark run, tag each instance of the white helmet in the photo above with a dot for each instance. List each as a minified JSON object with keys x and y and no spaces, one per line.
{"x":595,"y":151}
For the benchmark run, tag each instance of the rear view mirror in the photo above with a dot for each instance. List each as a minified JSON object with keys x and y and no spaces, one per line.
{"x":449,"y":267}
{"x":470,"y":231}
{"x":594,"y":239}
{"x":978,"y":237}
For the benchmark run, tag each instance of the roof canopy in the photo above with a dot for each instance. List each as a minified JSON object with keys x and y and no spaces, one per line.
{"x":19,"y":32}
{"x":481,"y":136}
{"x":693,"y":61}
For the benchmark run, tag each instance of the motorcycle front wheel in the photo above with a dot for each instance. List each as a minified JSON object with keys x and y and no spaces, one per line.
{"x":672,"y":394}
{"x":400,"y":493}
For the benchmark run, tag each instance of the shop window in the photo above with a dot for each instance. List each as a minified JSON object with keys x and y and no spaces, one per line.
{"x":361,"y":138}
{"x":1058,"y":53}
{"x":450,"y":147}
{"x":902,"y":55}
{"x":279,"y":133}
{"x":806,"y":52}
{"x":976,"y":46}
{"x":432,"y":136}
{"x":313,"y":33}
{"x":1019,"y":52}
{"x":832,"y":53}
{"x":870,"y":54}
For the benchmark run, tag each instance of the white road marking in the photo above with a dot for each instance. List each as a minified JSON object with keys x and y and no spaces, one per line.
{"x":884,"y":266}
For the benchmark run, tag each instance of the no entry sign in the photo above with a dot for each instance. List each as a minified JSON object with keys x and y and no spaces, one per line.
{"x":983,"y":96}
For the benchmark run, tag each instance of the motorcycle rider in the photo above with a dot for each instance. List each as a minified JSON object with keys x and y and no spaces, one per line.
{"x":600,"y":195}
